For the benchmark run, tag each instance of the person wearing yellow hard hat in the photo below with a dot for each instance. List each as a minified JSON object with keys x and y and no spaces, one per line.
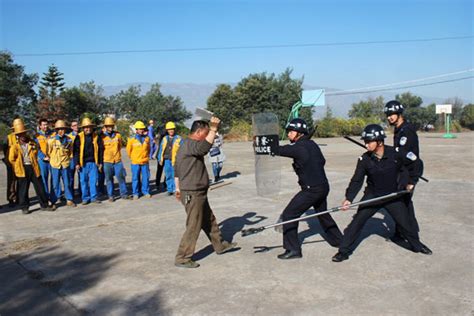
{"x":12,"y":182}
{"x":113,"y":166}
{"x":23,"y":156}
{"x":138,"y":149}
{"x":88,"y":157}
{"x":42,"y":136}
{"x":169,"y":146}
{"x":59,"y":152}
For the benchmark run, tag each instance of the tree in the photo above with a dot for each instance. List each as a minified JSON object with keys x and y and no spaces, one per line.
{"x":457,"y":107}
{"x":372,"y":108}
{"x":76,"y":103}
{"x":467,"y":116}
{"x":421,"y":116}
{"x":221,"y":103}
{"x":409,"y":100}
{"x":258,"y":93}
{"x":154,"y":105}
{"x":51,"y":105}
{"x":17,"y":97}
{"x":125,"y":103}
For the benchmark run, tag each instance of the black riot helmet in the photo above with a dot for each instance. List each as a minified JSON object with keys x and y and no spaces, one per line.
{"x":373,"y":132}
{"x":298,"y":125}
{"x":393,"y":107}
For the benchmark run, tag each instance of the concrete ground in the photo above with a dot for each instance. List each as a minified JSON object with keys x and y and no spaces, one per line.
{"x":117,"y":258}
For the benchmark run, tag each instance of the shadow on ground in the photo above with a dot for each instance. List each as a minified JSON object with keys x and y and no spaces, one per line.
{"x":38,"y":277}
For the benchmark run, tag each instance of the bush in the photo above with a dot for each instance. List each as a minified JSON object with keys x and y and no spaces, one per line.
{"x":123,"y":127}
{"x":467,"y":116}
{"x":456,"y":126}
{"x":240,"y":131}
{"x":334,"y":127}
{"x":4,"y":131}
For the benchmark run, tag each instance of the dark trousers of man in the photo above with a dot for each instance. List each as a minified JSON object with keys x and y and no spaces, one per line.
{"x":411,"y":215}
{"x":12,"y":185}
{"x":24,"y":186}
{"x":399,"y":212}
{"x":198,"y":216}
{"x":301,"y":202}
{"x":159,"y":172}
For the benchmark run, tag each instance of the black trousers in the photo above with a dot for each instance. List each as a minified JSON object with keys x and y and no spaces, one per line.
{"x":411,"y":215}
{"x":159,"y":172}
{"x":396,"y":208}
{"x":24,"y":186}
{"x":300,"y":203}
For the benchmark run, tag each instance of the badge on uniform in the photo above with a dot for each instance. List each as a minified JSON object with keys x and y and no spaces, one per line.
{"x":403,"y":141}
{"x":411,"y":156}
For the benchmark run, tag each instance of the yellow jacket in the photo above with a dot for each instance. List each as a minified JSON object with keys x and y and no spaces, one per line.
{"x":81,"y":136}
{"x":15,"y":156}
{"x":11,"y":139}
{"x":72,"y":136}
{"x":42,"y":140}
{"x":59,"y":151}
{"x":112,"y":147}
{"x":138,"y":149}
{"x":176,"y":141}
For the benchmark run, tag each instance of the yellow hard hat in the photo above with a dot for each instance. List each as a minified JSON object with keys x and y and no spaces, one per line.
{"x":60,"y":124}
{"x":19,"y":128}
{"x":86,"y":122}
{"x":17,"y":121}
{"x":170,"y":125}
{"x":139,"y":125}
{"x":109,"y":121}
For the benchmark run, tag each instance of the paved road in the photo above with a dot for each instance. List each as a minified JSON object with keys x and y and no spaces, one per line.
{"x":117,"y":258}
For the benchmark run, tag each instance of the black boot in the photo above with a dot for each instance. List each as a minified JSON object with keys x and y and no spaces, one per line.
{"x":340,"y":256}
{"x":290,"y":254}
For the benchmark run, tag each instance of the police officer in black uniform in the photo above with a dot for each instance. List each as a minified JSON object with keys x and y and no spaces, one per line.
{"x":405,"y":140}
{"x":386,"y":173}
{"x":308,"y":163}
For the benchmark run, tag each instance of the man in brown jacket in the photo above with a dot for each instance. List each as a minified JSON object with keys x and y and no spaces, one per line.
{"x":192,"y":183}
{"x":23,"y":156}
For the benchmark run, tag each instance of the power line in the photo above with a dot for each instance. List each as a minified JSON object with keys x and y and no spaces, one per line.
{"x":405,"y":82}
{"x":399,"y":88}
{"x":165,"y":50}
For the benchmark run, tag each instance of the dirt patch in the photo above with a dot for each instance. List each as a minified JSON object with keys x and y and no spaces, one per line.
{"x":30,"y":244}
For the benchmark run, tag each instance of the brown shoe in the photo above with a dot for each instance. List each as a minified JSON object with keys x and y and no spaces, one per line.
{"x":70,"y":203}
{"x":188,"y":264}
{"x":227,"y":247}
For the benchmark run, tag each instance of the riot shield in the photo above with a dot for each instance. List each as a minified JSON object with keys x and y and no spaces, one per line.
{"x":267,"y":165}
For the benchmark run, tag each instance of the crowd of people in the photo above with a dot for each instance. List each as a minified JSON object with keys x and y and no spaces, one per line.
{"x":58,"y":157}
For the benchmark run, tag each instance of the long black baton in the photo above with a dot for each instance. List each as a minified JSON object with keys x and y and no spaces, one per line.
{"x":251,"y":231}
{"x":362,"y":145}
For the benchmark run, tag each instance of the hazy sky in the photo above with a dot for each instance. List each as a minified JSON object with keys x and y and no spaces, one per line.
{"x":69,"y":26}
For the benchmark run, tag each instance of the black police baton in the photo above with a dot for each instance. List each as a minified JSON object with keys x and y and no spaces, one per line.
{"x":362,"y":145}
{"x":251,"y":231}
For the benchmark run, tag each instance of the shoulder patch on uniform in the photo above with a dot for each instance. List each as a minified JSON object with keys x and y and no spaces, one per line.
{"x":403,"y":141}
{"x":411,"y":156}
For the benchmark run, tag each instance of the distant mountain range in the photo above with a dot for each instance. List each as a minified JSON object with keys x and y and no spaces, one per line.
{"x":195,"y":95}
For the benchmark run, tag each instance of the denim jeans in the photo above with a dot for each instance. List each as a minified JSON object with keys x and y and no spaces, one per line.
{"x":117,"y":170}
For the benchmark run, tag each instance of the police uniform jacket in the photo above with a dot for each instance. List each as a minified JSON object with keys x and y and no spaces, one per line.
{"x":405,"y":139}
{"x":385,"y":175}
{"x":308,"y":162}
